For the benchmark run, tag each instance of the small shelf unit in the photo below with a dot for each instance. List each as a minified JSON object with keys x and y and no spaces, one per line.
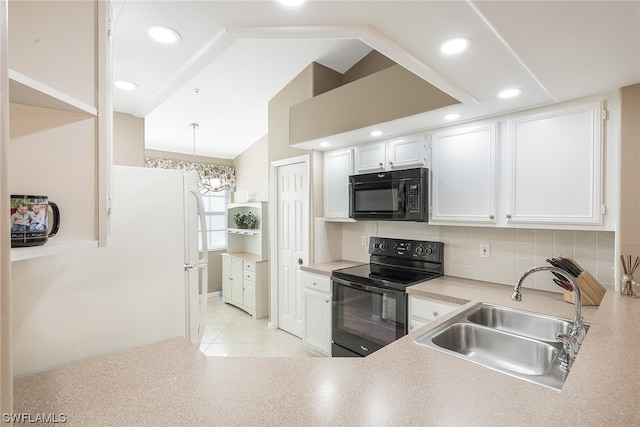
{"x":248,"y":240}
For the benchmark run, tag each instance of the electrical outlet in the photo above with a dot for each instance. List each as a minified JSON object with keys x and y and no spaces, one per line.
{"x":364,"y":240}
{"x":484,"y":250}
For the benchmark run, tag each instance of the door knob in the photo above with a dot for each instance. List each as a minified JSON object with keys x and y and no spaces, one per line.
{"x":300,"y":261}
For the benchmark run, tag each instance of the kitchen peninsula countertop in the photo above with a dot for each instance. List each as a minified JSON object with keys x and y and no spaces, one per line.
{"x":172,"y":383}
{"x":325,"y":268}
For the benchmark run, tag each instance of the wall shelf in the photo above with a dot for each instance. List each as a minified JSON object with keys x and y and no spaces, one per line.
{"x":27,"y":91}
{"x":51,"y":248}
{"x":246,"y":231}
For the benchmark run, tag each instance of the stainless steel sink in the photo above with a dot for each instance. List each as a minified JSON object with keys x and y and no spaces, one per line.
{"x":532,"y":325}
{"x":515,"y":342}
{"x":504,"y":351}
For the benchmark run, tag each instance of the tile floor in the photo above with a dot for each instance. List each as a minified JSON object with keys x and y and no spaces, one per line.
{"x":231,"y":332}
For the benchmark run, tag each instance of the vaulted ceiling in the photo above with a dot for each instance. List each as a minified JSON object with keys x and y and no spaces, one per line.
{"x":233,"y":56}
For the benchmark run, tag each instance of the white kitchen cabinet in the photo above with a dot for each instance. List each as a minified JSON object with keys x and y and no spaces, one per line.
{"x":317,"y":312}
{"x":554,"y":166}
{"x":397,"y":153}
{"x":406,"y":152}
{"x":371,"y":157}
{"x":338,"y":165}
{"x":60,"y":108}
{"x":463,"y":174}
{"x":244,"y":284}
{"x":423,"y":310}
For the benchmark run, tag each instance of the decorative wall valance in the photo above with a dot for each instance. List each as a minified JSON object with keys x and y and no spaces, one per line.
{"x":206,"y":172}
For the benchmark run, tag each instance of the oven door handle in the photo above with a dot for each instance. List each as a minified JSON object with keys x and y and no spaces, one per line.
{"x":350,"y":284}
{"x":362,"y":287}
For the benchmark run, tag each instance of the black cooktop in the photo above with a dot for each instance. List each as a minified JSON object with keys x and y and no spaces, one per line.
{"x":384,"y":276}
{"x":397,"y":263}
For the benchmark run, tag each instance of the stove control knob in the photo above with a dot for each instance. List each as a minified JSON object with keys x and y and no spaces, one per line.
{"x":420,"y":250}
{"x":376,"y":245}
{"x":429,"y":250}
{"x":383,"y":246}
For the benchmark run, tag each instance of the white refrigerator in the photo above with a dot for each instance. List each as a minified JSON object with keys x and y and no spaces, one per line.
{"x":158,"y":219}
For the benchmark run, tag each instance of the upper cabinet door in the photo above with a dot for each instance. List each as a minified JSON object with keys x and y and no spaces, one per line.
{"x":338,"y":165}
{"x":463,"y":178}
{"x":371,"y":157}
{"x":406,"y":152}
{"x":554,"y":166}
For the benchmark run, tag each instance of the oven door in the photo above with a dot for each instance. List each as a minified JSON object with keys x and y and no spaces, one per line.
{"x":365,"y":318}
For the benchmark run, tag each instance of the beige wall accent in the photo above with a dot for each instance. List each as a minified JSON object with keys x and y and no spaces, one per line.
{"x":630,"y":171}
{"x":128,"y":140}
{"x":299,"y":89}
{"x":387,"y":95}
{"x":325,"y":79}
{"x":372,"y":63}
{"x":252,"y":171}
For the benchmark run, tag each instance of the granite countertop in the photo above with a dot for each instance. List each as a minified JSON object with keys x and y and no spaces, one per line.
{"x":172,"y":383}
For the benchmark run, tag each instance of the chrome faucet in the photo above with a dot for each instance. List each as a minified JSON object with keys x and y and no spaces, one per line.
{"x":573,"y":340}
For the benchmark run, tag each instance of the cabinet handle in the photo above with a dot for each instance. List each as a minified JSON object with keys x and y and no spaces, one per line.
{"x":381,"y":164}
{"x":391,"y":164}
{"x":314,"y":283}
{"x":436,"y":314}
{"x":327,"y":301}
{"x":509,"y":216}
{"x":491,"y":217}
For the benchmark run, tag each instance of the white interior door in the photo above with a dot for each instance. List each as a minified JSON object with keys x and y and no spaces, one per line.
{"x":293,"y":243}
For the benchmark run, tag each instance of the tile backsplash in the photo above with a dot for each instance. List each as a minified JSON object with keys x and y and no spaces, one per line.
{"x":512,"y":251}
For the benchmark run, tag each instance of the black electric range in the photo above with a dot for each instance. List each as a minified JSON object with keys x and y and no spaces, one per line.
{"x":397,"y":264}
{"x":369,"y":301}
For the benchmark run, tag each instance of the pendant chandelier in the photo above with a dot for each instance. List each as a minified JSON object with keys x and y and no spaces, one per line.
{"x":204,"y":181}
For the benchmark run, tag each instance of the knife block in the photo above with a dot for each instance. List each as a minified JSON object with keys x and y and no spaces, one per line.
{"x":591,"y":290}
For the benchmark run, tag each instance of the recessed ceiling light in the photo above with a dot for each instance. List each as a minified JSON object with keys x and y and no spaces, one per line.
{"x":509,"y":93}
{"x":452,"y":116}
{"x":325,"y":144}
{"x":456,"y":45}
{"x":121,"y":84}
{"x":376,"y":133}
{"x":163,"y":34}
{"x":291,"y":2}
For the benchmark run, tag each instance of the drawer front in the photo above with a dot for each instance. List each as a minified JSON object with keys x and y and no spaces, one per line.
{"x":316,"y":282}
{"x":430,"y":309}
{"x":250,"y":275}
{"x":250,"y":266}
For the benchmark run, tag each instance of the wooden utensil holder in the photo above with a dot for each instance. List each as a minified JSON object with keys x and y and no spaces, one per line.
{"x":592,"y":291}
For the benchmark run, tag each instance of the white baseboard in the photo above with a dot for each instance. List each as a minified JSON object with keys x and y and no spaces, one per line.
{"x":214,"y":294}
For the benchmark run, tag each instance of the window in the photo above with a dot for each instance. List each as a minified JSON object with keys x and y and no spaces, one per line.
{"x":215,"y":212}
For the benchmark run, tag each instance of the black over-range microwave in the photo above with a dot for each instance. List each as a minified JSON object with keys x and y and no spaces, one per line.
{"x":399,"y":195}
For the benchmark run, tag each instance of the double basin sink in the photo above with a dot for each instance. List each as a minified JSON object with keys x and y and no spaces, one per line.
{"x":515,"y":342}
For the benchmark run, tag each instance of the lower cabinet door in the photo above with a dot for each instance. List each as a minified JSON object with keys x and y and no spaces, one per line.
{"x":317,"y":321}
{"x":249,"y":295}
{"x":415,"y":324}
{"x":236,"y":285}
